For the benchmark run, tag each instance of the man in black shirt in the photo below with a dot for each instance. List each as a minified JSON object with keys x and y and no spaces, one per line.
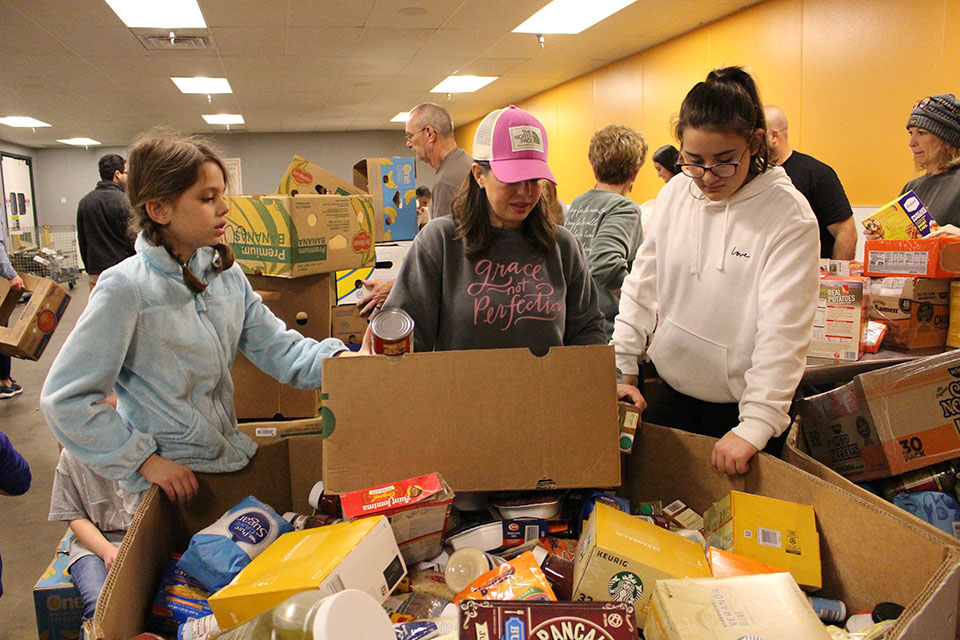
{"x":102,"y":218}
{"x":820,"y":186}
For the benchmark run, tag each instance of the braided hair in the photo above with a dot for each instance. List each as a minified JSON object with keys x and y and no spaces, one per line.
{"x":162,"y":166}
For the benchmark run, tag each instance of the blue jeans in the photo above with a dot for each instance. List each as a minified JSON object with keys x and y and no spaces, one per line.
{"x":88,"y":574}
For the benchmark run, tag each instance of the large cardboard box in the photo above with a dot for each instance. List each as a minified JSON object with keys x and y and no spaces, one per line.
{"x":926,"y":258}
{"x":915,"y":310}
{"x":485,"y":420}
{"x":393,"y":184}
{"x":887,"y":421}
{"x":29,"y":333}
{"x":870,"y":554}
{"x":390,"y":256}
{"x":293,"y":236}
{"x":57,"y":602}
{"x":348,"y":325}
{"x":303,"y":304}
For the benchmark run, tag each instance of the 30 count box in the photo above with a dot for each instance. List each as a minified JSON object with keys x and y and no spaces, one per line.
{"x":620,"y":558}
{"x":289,"y":236}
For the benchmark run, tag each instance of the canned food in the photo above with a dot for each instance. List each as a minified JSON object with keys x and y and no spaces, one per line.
{"x":392,"y":331}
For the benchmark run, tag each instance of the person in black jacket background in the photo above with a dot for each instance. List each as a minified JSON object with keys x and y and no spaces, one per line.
{"x":102,"y":218}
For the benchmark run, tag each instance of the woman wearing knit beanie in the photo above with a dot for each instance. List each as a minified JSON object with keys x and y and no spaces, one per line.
{"x":934,"y":127}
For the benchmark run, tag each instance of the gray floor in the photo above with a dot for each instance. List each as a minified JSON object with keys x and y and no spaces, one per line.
{"x":27,"y":540}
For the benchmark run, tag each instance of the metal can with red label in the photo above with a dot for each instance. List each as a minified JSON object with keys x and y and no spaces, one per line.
{"x":392,"y":331}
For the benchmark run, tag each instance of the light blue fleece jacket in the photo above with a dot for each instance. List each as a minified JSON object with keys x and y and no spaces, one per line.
{"x":167,"y":352}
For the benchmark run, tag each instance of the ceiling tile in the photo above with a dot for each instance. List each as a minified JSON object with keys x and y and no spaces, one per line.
{"x":305,"y":41}
{"x":329,"y":13}
{"x":412,"y":14}
{"x":230,"y":13}
{"x":498,"y":17}
{"x":391,"y":43}
{"x":238,"y":41}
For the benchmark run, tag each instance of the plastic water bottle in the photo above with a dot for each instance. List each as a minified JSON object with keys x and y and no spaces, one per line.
{"x":310,"y":615}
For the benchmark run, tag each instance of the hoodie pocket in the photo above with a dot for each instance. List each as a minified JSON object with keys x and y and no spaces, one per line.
{"x":691,"y":364}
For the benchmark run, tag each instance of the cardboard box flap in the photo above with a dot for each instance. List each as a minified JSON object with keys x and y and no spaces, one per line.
{"x":122,"y":611}
{"x":856,"y":537}
{"x":303,"y":176}
{"x":463,"y":415}
{"x":934,"y":611}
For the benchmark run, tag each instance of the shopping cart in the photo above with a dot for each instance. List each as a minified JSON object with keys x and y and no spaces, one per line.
{"x":49,"y":252}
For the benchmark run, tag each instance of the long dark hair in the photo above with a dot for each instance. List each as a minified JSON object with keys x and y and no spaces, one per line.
{"x":162,"y":166}
{"x":729,"y":102}
{"x":472,"y":214}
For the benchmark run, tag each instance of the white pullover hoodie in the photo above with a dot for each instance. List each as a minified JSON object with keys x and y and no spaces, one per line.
{"x":728,"y":291}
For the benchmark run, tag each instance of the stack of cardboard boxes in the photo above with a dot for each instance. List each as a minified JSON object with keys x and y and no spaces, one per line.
{"x":299,"y":245}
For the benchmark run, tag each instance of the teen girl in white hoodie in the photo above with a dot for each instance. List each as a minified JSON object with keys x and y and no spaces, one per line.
{"x":723,"y":291}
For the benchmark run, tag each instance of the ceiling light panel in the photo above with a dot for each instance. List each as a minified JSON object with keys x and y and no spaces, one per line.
{"x":223,"y":118}
{"x":202,"y":85}
{"x":79,"y":142}
{"x":403,"y":116}
{"x":570,"y":16}
{"x":22,"y":121}
{"x":169,"y":14}
{"x":462,"y":84}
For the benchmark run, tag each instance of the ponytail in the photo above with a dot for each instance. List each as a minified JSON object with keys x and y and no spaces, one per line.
{"x":728,"y":101}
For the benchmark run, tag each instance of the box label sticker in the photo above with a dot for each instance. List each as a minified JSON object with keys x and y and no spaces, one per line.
{"x":912,"y":262}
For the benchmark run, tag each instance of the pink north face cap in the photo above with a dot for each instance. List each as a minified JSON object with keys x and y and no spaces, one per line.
{"x":515,"y":145}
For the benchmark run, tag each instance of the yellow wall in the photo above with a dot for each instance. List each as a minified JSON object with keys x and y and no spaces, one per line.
{"x":846,"y":74}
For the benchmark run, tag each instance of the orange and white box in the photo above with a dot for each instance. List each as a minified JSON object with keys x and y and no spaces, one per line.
{"x":417,"y":508}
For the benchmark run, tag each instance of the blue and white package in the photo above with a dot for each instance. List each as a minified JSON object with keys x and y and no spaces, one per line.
{"x":939,"y":509}
{"x":219,"y":552}
{"x":424,"y":629}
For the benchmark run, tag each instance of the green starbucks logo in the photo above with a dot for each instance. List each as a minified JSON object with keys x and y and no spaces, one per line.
{"x":625,"y":586}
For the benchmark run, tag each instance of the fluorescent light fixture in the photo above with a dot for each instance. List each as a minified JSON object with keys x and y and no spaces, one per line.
{"x":22,"y":121}
{"x":202,"y":85}
{"x":169,"y":14}
{"x":570,"y":16}
{"x":224,"y":118}
{"x":80,"y":142}
{"x":462,"y":84}
{"x":403,"y":116}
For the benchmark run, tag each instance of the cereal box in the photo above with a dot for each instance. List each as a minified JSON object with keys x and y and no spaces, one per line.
{"x":902,"y":219}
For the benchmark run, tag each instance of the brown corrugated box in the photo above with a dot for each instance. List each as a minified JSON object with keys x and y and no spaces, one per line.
{"x":870,"y":552}
{"x":304,"y":305}
{"x":31,"y":330}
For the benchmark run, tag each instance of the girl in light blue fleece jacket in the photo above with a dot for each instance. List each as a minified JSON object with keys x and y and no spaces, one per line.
{"x":162,"y":329}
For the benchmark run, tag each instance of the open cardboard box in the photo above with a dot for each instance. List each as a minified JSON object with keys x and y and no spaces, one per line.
{"x":869,"y":553}
{"x":393,"y":184}
{"x":485,"y":420}
{"x":280,"y":474}
{"x":901,"y":548}
{"x":30,"y":332}
{"x":303,"y":304}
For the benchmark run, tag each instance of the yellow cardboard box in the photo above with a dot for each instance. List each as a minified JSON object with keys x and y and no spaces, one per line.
{"x":769,"y":606}
{"x":292,"y":236}
{"x":621,"y":557}
{"x":777,"y":532}
{"x":352,"y":555}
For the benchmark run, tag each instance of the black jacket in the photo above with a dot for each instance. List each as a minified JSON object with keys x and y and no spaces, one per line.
{"x":102,"y":217}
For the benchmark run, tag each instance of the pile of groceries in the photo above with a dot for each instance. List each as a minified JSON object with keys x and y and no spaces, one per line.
{"x":412,"y":561}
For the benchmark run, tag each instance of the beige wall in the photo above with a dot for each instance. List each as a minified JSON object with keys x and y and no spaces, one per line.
{"x":846,"y":73}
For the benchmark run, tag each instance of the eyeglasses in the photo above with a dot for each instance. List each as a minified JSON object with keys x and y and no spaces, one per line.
{"x":721,"y":169}
{"x":409,"y":136}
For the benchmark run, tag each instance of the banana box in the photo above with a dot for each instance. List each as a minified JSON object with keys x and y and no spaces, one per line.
{"x":769,"y":606}
{"x":57,"y":601}
{"x":389,"y":257}
{"x":905,"y":218}
{"x":351,"y":555}
{"x":621,"y":557}
{"x":393,"y":184}
{"x":776,"y":532}
{"x":293,"y":236}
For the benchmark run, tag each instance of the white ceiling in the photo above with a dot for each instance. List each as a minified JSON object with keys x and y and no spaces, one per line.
{"x":300,"y":65}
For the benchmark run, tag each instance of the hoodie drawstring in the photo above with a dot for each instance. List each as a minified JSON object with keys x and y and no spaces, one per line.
{"x":695,"y":258}
{"x":723,"y":242}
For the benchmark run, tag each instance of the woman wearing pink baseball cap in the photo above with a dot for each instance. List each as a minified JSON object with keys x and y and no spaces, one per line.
{"x":498,"y":273}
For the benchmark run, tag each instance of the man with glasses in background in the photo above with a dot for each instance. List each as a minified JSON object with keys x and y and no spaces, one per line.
{"x":429,"y":133}
{"x":102,"y":218}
